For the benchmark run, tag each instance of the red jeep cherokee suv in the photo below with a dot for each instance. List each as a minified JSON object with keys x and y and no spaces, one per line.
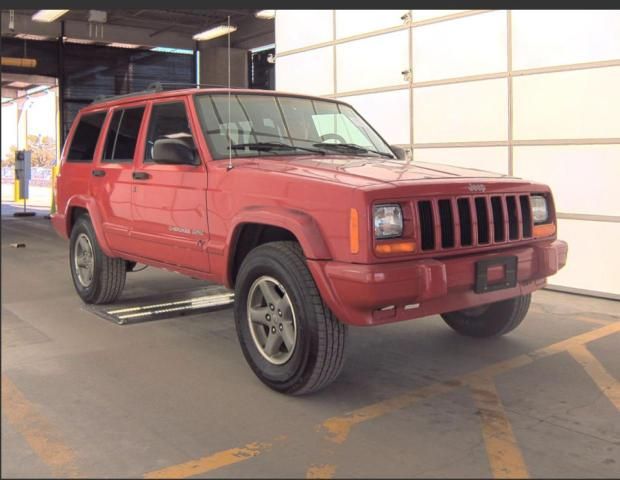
{"x":298,"y":204}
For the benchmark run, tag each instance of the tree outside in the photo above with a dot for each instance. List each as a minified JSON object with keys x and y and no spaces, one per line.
{"x":43,"y":150}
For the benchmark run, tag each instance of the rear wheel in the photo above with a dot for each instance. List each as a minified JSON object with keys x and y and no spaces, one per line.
{"x":97,"y":278}
{"x":288,"y":336}
{"x":491,"y":320}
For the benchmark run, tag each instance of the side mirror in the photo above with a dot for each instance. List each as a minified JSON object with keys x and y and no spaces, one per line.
{"x":400,"y":152}
{"x":173,"y":151}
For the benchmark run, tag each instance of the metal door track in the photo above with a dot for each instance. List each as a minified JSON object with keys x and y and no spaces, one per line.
{"x":162,"y":307}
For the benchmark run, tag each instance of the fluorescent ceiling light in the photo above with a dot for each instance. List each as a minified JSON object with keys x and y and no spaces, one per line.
{"x":263,"y":48}
{"x":182,"y":51}
{"x":30,"y":36}
{"x":48,"y":15}
{"x":123,"y":45}
{"x":80,"y":41}
{"x":214,"y":32}
{"x":266,"y":14}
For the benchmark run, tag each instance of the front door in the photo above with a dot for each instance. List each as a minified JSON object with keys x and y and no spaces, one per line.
{"x":169,"y":201}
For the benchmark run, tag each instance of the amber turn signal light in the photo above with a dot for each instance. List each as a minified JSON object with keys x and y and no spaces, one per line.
{"x":544,"y":230}
{"x":354,"y":231}
{"x":400,"y":247}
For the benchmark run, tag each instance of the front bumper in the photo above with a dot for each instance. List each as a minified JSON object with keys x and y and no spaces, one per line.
{"x":390,"y":292}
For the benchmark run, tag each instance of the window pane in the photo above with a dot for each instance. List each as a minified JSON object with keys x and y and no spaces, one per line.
{"x":168,"y":120}
{"x":300,"y":28}
{"x":309,"y":72}
{"x":468,"y":46}
{"x":85,"y":138}
{"x":576,"y":104}
{"x":387,"y":112}
{"x":123,"y":135}
{"x":543,"y":38}
{"x":372,"y":62}
{"x":354,"y":22}
{"x":461,"y":112}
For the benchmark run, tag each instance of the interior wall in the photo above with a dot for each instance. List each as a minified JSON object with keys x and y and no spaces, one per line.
{"x":528,"y":93}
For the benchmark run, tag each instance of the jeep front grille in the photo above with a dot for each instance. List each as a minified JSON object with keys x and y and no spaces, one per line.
{"x":447,"y":223}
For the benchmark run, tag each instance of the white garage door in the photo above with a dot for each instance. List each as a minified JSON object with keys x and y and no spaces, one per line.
{"x":530,"y":93}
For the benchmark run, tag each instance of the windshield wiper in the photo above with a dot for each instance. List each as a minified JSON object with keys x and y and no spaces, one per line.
{"x":352,"y":147}
{"x":268,"y":146}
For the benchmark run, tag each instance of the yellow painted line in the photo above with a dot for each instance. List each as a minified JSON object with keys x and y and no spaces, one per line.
{"x":338,"y":428}
{"x":44,"y":440}
{"x":505,"y":458}
{"x":321,"y":471}
{"x":607,"y":383}
{"x":211,"y":462}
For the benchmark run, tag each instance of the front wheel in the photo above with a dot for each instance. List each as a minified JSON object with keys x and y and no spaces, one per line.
{"x":491,"y":320}
{"x":288,"y":336}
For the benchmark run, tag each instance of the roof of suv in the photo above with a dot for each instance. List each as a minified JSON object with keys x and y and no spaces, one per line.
{"x":151,"y":95}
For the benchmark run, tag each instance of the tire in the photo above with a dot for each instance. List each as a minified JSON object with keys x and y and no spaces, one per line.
{"x":317,"y":355}
{"x":491,"y":320}
{"x":107,"y":278}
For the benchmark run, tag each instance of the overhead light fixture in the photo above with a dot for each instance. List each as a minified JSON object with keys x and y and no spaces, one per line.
{"x":182,"y":51}
{"x":48,"y":15}
{"x":265,"y":14}
{"x":30,"y":36}
{"x":123,"y":45}
{"x":80,"y":41}
{"x":214,"y":32}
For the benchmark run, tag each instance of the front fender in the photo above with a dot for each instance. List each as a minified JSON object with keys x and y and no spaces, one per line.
{"x":302,"y":225}
{"x":88,"y":203}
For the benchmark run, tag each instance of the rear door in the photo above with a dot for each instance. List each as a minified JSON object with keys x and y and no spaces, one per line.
{"x":112,"y":175}
{"x":75,"y":176}
{"x":169,"y":202}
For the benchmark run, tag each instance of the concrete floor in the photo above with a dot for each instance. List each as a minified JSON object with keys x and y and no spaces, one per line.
{"x":175,"y":398}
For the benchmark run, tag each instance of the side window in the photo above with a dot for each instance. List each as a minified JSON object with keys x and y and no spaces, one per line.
{"x":168,"y":121}
{"x":85,"y":138}
{"x":123,"y":132}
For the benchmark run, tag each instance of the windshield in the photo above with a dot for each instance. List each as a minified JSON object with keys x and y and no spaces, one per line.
{"x":284,"y":125}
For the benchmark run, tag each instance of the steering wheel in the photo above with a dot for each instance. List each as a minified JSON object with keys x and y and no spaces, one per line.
{"x":333,"y":136}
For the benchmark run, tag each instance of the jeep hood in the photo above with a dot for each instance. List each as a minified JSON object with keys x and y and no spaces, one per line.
{"x":367,"y":171}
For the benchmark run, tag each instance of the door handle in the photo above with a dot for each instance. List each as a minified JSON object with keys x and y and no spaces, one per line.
{"x":141,"y":175}
{"x":98,"y":173}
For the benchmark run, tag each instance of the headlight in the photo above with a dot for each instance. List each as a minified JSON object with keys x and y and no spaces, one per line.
{"x":388,"y":221}
{"x":540,"y":212}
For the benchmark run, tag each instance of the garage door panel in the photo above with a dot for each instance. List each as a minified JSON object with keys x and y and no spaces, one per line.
{"x":564,"y":105}
{"x":387,"y":112}
{"x":583,"y":178}
{"x":592,"y":256}
{"x":372,"y":62}
{"x":419,"y":15}
{"x":302,"y":28}
{"x":542,"y":38}
{"x":355,"y":22}
{"x":492,"y":159}
{"x":308,"y":72}
{"x":467,"y":46}
{"x":472,"y":111}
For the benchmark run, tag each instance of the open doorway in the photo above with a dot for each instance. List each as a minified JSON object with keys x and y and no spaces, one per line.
{"x":29,"y":122}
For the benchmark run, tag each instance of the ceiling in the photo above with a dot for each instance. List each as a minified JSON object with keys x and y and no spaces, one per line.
{"x":184,"y":21}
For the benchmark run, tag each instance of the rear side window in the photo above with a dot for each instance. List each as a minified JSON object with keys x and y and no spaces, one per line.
{"x":85,"y":138}
{"x":120,"y":144}
{"x":168,"y":120}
